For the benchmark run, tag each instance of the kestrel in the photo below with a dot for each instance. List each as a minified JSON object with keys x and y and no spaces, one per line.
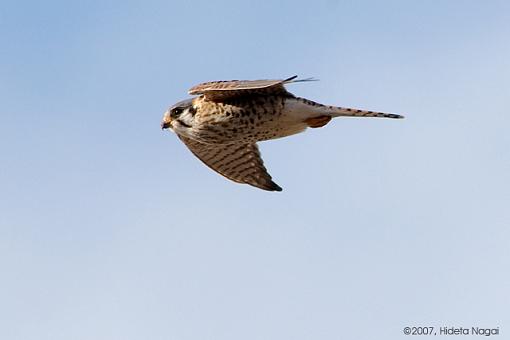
{"x":222,"y":125}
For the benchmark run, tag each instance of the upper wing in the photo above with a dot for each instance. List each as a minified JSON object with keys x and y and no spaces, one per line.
{"x":220,"y":90}
{"x":238,"y":162}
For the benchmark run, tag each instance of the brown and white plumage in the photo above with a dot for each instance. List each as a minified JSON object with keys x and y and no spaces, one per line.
{"x":239,"y":162}
{"x":222,"y":125}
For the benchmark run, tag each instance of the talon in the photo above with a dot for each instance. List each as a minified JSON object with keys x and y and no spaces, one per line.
{"x":317,"y":122}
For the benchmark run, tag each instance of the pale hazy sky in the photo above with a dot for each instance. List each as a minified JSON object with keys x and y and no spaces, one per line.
{"x":111,"y":229}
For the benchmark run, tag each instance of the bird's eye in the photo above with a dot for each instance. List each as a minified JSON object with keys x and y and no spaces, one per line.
{"x":176,"y":112}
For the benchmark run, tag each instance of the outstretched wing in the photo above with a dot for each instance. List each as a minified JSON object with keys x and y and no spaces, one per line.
{"x":238,"y":162}
{"x":221,"y":90}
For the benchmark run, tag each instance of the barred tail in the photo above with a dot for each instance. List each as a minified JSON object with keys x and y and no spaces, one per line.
{"x":348,"y":112}
{"x":336,"y":111}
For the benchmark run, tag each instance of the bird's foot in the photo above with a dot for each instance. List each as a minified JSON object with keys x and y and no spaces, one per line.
{"x":317,"y":122}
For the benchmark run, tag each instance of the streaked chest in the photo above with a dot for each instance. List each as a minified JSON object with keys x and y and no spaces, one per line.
{"x":248,"y":119}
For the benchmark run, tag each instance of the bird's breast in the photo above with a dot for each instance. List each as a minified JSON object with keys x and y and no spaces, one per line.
{"x":241,"y":120}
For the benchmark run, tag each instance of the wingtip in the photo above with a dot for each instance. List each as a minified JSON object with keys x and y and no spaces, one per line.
{"x":294,"y":80}
{"x":269,"y":187}
{"x":275,"y":187}
{"x":290,"y":78}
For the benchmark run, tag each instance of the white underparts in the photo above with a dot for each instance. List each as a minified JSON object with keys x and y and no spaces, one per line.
{"x":296,"y":110}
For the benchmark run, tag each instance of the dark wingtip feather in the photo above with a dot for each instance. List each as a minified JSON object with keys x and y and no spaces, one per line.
{"x":290,"y":78}
{"x":272,"y":186}
{"x":294,"y":80}
{"x":276,"y":187}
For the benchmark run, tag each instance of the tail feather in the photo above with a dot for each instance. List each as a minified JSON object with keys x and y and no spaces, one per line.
{"x":336,"y":111}
{"x":348,"y":112}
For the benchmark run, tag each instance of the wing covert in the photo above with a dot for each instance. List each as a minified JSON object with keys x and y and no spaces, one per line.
{"x":225,"y":89}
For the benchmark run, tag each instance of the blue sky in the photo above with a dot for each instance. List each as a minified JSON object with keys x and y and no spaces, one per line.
{"x":111,"y":229}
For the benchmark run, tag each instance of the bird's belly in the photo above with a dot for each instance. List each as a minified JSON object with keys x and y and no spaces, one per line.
{"x":237,"y":130}
{"x":257,"y":119}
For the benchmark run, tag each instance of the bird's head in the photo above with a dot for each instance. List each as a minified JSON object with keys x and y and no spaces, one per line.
{"x":179,"y":117}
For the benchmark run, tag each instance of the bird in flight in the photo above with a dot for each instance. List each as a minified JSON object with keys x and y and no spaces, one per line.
{"x":222,"y":125}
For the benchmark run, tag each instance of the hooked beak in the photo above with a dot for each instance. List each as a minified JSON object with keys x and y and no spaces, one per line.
{"x":167,"y":121}
{"x":165,"y":125}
